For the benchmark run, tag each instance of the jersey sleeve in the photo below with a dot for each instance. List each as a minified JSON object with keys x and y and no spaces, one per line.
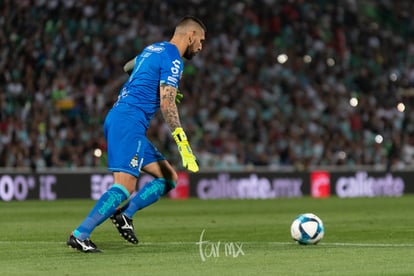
{"x":171,"y":70}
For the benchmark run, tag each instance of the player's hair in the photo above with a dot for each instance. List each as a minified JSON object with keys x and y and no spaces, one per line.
{"x":190,"y":18}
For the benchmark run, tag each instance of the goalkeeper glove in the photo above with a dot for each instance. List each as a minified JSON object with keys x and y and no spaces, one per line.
{"x":189,"y":160}
{"x":178,"y":97}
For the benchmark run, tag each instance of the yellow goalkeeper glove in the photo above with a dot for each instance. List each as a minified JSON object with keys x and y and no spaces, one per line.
{"x":189,"y":160}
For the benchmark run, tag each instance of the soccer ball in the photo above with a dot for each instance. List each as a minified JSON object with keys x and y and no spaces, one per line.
{"x":307,"y":229}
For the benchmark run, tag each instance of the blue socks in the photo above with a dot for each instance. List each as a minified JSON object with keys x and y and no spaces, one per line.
{"x":111,"y":199}
{"x":149,"y":194}
{"x":103,"y":209}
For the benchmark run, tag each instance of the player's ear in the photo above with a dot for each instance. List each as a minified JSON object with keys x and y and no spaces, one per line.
{"x":190,"y":36}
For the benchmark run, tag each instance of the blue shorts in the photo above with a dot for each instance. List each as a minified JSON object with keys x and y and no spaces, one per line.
{"x":128,"y":146}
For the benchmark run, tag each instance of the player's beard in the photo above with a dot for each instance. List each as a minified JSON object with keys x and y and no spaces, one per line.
{"x":189,"y":53}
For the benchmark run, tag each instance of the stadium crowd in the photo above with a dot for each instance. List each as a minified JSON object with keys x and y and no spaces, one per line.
{"x":272,"y":86}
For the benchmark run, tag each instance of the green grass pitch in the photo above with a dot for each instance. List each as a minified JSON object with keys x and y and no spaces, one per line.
{"x":363,"y":236}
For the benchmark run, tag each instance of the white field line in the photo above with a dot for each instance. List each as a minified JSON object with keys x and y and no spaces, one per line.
{"x":321,"y":244}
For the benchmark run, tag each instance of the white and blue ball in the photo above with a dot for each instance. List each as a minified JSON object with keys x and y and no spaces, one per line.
{"x":307,"y":229}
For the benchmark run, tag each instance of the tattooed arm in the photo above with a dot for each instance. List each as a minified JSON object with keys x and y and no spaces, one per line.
{"x":170,"y":112}
{"x":169,"y":107}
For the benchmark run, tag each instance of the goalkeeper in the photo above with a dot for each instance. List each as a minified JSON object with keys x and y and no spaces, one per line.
{"x":152,"y":85}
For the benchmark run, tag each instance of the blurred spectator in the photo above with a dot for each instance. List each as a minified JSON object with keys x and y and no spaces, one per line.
{"x":271,"y":88}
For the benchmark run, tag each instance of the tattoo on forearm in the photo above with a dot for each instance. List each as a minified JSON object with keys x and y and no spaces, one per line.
{"x":169,"y":107}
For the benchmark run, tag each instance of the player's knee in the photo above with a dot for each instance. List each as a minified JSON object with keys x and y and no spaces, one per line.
{"x":128,"y":181}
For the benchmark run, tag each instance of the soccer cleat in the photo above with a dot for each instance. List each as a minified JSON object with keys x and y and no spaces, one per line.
{"x":125,"y":226}
{"x":86,"y":246}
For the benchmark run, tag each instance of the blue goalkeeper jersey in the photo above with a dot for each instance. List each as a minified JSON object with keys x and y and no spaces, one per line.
{"x":159,"y":63}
